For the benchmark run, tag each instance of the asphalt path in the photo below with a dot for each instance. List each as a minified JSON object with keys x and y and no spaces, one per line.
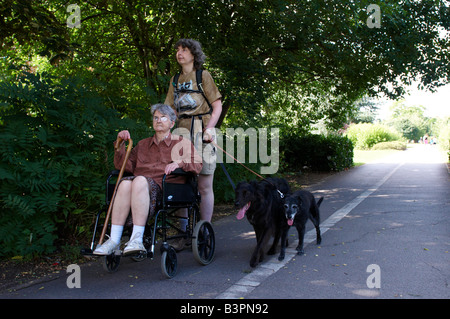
{"x":385,"y":235}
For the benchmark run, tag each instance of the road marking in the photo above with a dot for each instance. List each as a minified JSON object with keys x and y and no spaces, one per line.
{"x":249,"y":282}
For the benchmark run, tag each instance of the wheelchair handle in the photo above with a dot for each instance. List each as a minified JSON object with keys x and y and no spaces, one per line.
{"x":122,"y":169}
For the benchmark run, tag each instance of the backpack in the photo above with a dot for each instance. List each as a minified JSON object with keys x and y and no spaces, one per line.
{"x":198,"y":78}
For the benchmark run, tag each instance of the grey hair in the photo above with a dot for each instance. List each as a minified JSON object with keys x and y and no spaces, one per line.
{"x":165,"y":110}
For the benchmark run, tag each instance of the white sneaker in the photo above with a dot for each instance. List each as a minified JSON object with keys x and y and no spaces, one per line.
{"x":107,"y":248}
{"x":134,"y":246}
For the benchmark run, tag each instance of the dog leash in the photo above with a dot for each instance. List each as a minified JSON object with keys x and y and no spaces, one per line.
{"x":247,"y":168}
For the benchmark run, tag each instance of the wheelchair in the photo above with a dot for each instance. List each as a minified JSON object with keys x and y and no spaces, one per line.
{"x":163,"y":227}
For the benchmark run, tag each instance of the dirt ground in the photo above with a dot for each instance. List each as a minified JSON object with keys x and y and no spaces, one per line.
{"x":17,"y":272}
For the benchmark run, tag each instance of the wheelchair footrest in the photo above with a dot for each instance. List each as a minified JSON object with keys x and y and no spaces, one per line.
{"x":135,"y":253}
{"x":87,"y":252}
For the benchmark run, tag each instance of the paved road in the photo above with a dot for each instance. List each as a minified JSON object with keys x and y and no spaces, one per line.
{"x":393,"y":215}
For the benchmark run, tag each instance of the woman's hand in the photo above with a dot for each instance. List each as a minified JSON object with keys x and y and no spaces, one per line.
{"x":121,"y":137}
{"x":208,"y":135}
{"x":170,"y":168}
{"x":124,"y":135}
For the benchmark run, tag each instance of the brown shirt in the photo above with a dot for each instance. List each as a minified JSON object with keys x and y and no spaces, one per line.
{"x":192,"y":103}
{"x":149,"y":159}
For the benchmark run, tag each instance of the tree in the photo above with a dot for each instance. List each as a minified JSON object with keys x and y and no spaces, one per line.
{"x":408,"y":120}
{"x":305,"y":45}
{"x":255,"y":48}
{"x":366,"y":110}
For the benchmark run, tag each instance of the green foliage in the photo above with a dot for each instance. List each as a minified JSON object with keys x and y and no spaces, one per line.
{"x":317,"y":152}
{"x":56,"y":139}
{"x":366,"y":135}
{"x":443,"y":134}
{"x":242,"y":145}
{"x":314,"y":49}
{"x":394,"y":145}
{"x":409,"y":121}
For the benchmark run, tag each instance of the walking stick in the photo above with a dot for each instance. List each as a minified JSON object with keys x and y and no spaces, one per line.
{"x":122,"y":169}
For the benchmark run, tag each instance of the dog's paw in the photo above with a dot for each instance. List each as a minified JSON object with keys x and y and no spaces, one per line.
{"x":300,"y":250}
{"x":253,"y":262}
{"x":281,"y":257}
{"x":319,"y":241}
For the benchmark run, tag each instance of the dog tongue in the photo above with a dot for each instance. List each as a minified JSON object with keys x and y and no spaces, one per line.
{"x":242,"y":211}
{"x":290,"y":222}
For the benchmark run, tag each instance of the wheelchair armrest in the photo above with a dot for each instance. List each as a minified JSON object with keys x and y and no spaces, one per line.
{"x":116,"y":172}
{"x":178,"y":172}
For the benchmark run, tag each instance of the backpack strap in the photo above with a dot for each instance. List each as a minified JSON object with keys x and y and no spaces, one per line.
{"x":175,"y":80}
{"x":198,"y":78}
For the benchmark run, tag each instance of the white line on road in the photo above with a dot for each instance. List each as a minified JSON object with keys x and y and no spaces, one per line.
{"x":249,"y":282}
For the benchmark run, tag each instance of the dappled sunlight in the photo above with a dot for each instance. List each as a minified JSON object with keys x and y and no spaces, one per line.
{"x":247,"y":235}
{"x":322,"y":282}
{"x":415,"y":153}
{"x":367,"y":292}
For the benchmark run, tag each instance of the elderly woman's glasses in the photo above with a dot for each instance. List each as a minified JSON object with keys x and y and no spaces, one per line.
{"x":162,"y":118}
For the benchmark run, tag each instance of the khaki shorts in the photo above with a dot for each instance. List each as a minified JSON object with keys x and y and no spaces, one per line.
{"x":209,"y":156}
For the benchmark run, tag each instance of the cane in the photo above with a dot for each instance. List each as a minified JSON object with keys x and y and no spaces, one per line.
{"x":122,"y":169}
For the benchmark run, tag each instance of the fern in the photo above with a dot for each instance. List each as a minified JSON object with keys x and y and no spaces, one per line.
{"x":55,"y":136}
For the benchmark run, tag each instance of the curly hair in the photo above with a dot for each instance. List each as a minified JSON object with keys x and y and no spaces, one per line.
{"x":196,"y":49}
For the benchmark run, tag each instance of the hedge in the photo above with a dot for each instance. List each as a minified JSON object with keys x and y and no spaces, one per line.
{"x":316,"y":152}
{"x":366,"y":135}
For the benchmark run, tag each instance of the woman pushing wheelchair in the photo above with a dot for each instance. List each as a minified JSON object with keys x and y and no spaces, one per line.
{"x":149,"y":160}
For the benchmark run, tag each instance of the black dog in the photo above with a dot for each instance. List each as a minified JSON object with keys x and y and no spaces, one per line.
{"x":262,"y":203}
{"x":298,"y":207}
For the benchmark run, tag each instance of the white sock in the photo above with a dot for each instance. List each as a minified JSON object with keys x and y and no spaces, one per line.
{"x":138,"y":233}
{"x":116,"y":233}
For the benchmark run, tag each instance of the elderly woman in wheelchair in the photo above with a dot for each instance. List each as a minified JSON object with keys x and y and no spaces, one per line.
{"x":149,"y":161}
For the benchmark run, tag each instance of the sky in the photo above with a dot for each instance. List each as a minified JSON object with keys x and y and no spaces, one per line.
{"x":436,"y":104}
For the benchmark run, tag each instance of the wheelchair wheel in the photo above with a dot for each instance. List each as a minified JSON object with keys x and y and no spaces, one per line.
{"x":111,"y":262}
{"x":203,"y":242}
{"x":169,"y":262}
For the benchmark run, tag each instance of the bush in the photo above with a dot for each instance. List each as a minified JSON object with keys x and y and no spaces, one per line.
{"x":56,"y":138}
{"x":243,"y":148}
{"x":444,"y":136}
{"x":317,"y":152}
{"x":366,"y":135}
{"x":395,"y":145}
